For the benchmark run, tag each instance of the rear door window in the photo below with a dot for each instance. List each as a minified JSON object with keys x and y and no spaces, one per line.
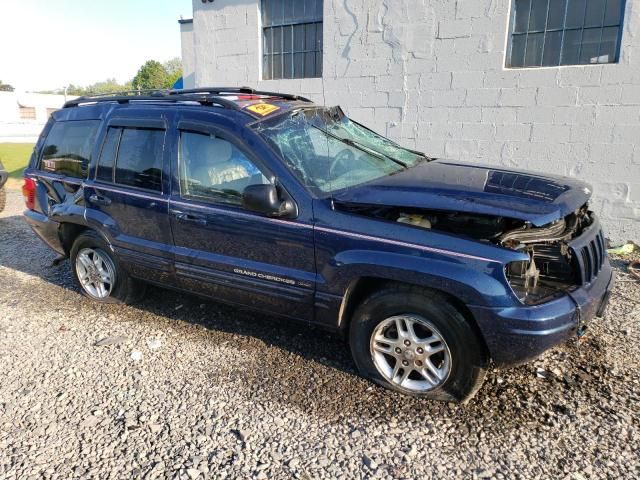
{"x":108,"y":155}
{"x":132,"y":157}
{"x":68,"y":147}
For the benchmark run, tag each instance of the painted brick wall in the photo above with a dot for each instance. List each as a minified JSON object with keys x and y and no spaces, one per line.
{"x":430,"y":74}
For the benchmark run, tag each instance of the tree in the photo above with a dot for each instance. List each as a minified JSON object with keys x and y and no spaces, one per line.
{"x":152,"y":75}
{"x":174,"y":71}
{"x":110,"y":85}
{"x":5,"y":87}
{"x":74,"y":90}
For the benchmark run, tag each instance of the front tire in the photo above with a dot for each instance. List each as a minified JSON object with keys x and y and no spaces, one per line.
{"x":97,"y":271}
{"x":414,"y":341}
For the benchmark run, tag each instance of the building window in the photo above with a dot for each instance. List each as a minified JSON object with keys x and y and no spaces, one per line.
{"x":27,"y":113}
{"x":292,"y":39}
{"x":547,"y":33}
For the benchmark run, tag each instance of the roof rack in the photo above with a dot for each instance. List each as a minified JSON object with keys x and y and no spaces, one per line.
{"x":205,"y":96}
{"x":242,"y":91}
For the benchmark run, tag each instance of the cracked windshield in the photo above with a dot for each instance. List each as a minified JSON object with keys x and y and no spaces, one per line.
{"x":330,"y":152}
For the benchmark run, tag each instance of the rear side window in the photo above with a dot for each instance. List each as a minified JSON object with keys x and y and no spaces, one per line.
{"x":132,"y":157}
{"x":67,"y":149}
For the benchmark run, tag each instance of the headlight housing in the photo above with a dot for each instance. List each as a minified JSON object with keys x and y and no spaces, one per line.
{"x":524,"y":277}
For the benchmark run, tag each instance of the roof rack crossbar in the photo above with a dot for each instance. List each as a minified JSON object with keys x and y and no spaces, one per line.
{"x":203,"y":99}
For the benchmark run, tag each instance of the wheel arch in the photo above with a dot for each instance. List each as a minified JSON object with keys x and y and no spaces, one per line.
{"x":361,"y":288}
{"x":70,"y":231}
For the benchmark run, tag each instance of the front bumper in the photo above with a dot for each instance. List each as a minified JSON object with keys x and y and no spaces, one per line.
{"x":515,"y":335}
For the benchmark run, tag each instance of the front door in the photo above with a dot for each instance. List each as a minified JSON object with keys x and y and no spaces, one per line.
{"x":225,"y":251}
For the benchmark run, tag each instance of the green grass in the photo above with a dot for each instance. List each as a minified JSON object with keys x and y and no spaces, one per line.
{"x":14,"y":157}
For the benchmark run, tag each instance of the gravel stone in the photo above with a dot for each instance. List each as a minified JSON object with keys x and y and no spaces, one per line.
{"x":154,"y":343}
{"x":369,"y":462}
{"x":193,"y":473}
{"x":155,"y":428}
{"x":111,"y":341}
{"x":230,"y":391}
{"x":90,"y":422}
{"x":136,"y":355}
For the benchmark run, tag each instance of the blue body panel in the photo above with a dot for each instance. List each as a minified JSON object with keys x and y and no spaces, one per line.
{"x":515,"y":335}
{"x":237,"y":255}
{"x":303,"y":267}
{"x":474,"y":188}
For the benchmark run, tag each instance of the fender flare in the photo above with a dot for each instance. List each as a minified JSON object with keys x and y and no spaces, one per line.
{"x":469,"y":284}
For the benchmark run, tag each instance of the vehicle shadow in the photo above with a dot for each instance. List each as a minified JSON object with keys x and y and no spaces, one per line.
{"x":311,"y":368}
{"x":21,"y":251}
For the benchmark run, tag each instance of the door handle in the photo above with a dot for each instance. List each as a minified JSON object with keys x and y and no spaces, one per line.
{"x":100,"y":200}
{"x":187,"y":217}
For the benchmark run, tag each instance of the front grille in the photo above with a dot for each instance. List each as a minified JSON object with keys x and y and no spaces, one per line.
{"x":554,"y":266}
{"x":589,"y":251}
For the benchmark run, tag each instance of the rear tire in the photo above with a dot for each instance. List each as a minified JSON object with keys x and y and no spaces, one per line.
{"x":98,"y":273}
{"x":3,"y":198}
{"x":414,"y":341}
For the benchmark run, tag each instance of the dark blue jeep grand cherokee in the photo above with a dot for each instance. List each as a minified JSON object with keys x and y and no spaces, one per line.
{"x":431,"y":268}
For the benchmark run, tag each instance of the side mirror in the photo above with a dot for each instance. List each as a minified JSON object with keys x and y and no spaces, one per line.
{"x":264,"y":198}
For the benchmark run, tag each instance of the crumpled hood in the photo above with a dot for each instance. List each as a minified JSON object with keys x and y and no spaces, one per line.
{"x":472,"y":188}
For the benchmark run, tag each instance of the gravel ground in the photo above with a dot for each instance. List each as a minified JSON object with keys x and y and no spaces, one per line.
{"x":193,"y":389}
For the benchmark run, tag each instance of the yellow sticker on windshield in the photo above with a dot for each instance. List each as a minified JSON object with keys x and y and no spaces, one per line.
{"x":263,"y":109}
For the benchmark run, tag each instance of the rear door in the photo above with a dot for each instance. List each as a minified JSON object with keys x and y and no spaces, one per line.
{"x":225,"y":251}
{"x":127,"y":194}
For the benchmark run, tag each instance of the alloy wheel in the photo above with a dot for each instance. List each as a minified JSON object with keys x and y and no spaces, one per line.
{"x":96,"y":272}
{"x":410,"y":352}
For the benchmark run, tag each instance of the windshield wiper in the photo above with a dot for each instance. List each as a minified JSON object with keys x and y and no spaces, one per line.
{"x":362,"y":148}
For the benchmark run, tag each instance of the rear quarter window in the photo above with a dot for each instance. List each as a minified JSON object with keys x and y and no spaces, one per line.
{"x":67,"y":149}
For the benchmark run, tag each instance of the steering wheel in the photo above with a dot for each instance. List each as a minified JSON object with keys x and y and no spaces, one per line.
{"x":341,"y":162}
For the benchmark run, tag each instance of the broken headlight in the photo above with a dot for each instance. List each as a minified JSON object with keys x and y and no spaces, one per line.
{"x":524,"y":279}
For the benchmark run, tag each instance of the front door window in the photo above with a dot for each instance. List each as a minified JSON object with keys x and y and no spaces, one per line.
{"x":214,"y":170}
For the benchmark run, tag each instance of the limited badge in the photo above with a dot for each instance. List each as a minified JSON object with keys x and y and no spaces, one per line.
{"x":263,"y":109}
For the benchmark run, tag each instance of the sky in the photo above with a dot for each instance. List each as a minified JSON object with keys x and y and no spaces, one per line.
{"x":47,"y":44}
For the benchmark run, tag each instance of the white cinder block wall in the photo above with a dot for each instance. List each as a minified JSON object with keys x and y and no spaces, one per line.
{"x":188,"y":56}
{"x":430,"y":74}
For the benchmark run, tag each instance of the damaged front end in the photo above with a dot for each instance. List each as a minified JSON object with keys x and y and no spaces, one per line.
{"x":552,"y":268}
